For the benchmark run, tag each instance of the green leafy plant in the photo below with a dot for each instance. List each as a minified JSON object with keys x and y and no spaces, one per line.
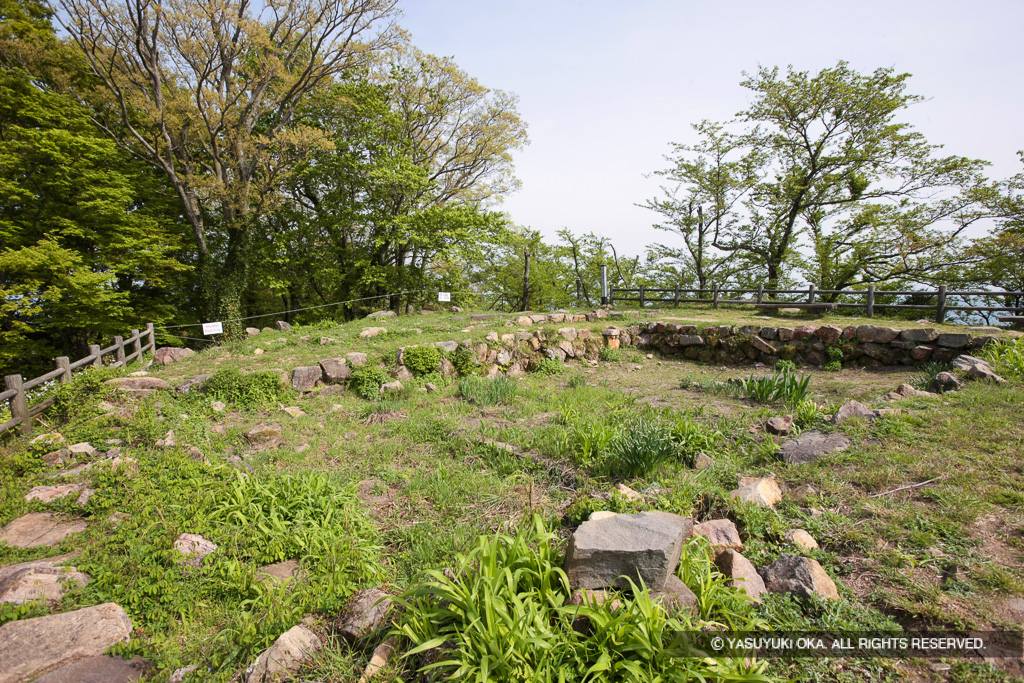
{"x":807,"y":413}
{"x":641,"y":447}
{"x":484,"y":392}
{"x":421,"y":360}
{"x":786,"y":387}
{"x":252,"y":390}
{"x":923,"y":381}
{"x":366,"y":381}
{"x":783,"y":365}
{"x":1007,"y":355}
{"x":464,"y":361}
{"x":835,"y":359}
{"x":577,"y":381}
{"x":610,"y":355}
{"x":549,"y":367}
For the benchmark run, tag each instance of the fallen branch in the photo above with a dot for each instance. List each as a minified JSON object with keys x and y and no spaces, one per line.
{"x":904,"y":488}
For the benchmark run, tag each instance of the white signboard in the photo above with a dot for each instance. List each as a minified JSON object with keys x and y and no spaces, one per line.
{"x":444,"y":296}
{"x":213,"y":328}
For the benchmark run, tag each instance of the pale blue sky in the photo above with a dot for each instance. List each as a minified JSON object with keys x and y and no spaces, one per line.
{"x":606,"y":86}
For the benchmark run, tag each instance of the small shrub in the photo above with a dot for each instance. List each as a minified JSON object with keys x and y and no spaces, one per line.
{"x":84,"y":387}
{"x":835,"y":359}
{"x":251,"y":390}
{"x":786,"y":387}
{"x":482,"y":392}
{"x":783,"y":365}
{"x":610,"y":355}
{"x":577,"y":381}
{"x":464,"y":361}
{"x":366,"y":380}
{"x":642,"y":447}
{"x":582,"y":508}
{"x":807,"y":413}
{"x":421,"y":360}
{"x":549,"y":367}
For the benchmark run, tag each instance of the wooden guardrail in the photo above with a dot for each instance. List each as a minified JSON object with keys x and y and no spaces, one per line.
{"x":16,"y":388}
{"x":807,"y":297}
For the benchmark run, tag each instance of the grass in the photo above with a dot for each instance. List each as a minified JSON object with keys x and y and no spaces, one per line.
{"x":443,"y":488}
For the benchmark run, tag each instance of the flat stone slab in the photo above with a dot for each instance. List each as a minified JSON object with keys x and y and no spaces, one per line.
{"x":643,"y":547}
{"x":47,"y":494}
{"x":762,"y":491}
{"x":38,"y":580}
{"x":367,"y":610}
{"x":810,"y":446}
{"x":194,"y":548}
{"x":38,"y":529}
{"x":721,"y":533}
{"x":801,"y":576}
{"x":282,"y":660}
{"x":139,"y":385}
{"x":32,"y":647}
{"x":104,"y":669}
{"x":280,"y":572}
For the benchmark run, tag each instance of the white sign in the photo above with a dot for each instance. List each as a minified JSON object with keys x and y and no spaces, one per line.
{"x":213,"y":328}
{"x":444,"y":296}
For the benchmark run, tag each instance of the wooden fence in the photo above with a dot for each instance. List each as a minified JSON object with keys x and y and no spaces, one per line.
{"x":808,"y":296}
{"x":16,"y":393}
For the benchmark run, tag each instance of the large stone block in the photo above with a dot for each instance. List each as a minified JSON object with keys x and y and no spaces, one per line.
{"x":811,"y":445}
{"x":801,"y":576}
{"x":874,"y":334}
{"x":643,"y":547}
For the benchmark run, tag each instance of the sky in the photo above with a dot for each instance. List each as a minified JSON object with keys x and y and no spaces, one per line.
{"x":606,"y":86}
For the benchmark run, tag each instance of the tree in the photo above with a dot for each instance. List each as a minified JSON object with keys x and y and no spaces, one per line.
{"x":206,"y":91}
{"x":824,"y":178}
{"x":83,"y":256}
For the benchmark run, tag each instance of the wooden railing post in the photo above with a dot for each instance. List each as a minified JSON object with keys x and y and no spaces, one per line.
{"x":64,"y":363}
{"x":643,"y":295}
{"x":810,"y":294}
{"x":137,"y":346}
{"x":871,"y":301}
{"x":19,"y":403}
{"x":940,"y":305}
{"x":151,"y":333}
{"x":119,"y":341}
{"x":675,"y":304}
{"x":760,"y":294}
{"x":714,"y":297}
{"x":94,"y":350}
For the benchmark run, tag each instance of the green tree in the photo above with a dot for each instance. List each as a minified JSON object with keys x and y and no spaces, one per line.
{"x":823,"y":177}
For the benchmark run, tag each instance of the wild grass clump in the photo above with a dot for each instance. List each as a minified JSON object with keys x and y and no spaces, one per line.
{"x":610,"y":355}
{"x":484,"y":392}
{"x":549,"y":367}
{"x":366,"y":381}
{"x":1007,"y":355}
{"x":642,"y":447}
{"x":784,"y":387}
{"x":506,"y":616}
{"x":421,"y":360}
{"x":923,"y":380}
{"x":252,"y":390}
{"x":577,"y":381}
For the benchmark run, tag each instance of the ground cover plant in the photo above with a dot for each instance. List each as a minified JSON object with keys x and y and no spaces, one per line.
{"x":919,"y":520}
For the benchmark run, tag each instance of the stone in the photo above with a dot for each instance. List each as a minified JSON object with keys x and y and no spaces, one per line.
{"x":491,"y":337}
{"x":258,"y":352}
{"x":953,"y":340}
{"x":395,"y":386}
{"x":964,"y":362}
{"x":779,"y":426}
{"x":801,"y":539}
{"x":252,"y":331}
{"x":179,"y":675}
{"x":945,"y":381}
{"x":38,"y":529}
{"x":829,"y":334}
{"x":355,"y":359}
{"x":103,"y":669}
{"x":804,"y":492}
{"x":170,"y":354}
{"x":504,"y":357}
{"x":643,"y":547}
{"x":373,"y":332}
{"x":801,"y":576}
{"x":920,"y":353}
{"x":874,"y":334}
{"x":984,"y":372}
{"x":721,"y":533}
{"x":57,"y":457}
{"x":282,"y":326}
{"x":307,"y":377}
{"x":295,"y":411}
{"x":852,"y":409}
{"x":46,"y":494}
{"x":430,"y":387}
{"x":785,"y":334}
{"x":47,"y":438}
{"x":741,"y":573}
{"x":367,"y":611}
{"x":921,"y":336}
{"x":703,"y":461}
{"x":811,"y":445}
{"x":379,"y":659}
{"x":762,"y":491}
{"x":627,"y":493}
{"x":280,"y":572}
{"x":139,"y":385}
{"x":194,"y":548}
{"x":447,"y":346}
{"x":763,"y":346}
{"x":675,"y":596}
{"x":263,"y":433}
{"x":282,"y":660}
{"x":568,"y":333}
{"x":523,"y":321}
{"x":335,"y":370}
{"x":218,"y":406}
{"x":84,"y":448}
{"x":32,"y":647}
{"x":804,"y":331}
{"x":168,"y":441}
{"x":906,"y":391}
{"x":403,"y":373}
{"x":192,"y":384}
{"x":38,"y":580}
{"x":381,"y":314}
